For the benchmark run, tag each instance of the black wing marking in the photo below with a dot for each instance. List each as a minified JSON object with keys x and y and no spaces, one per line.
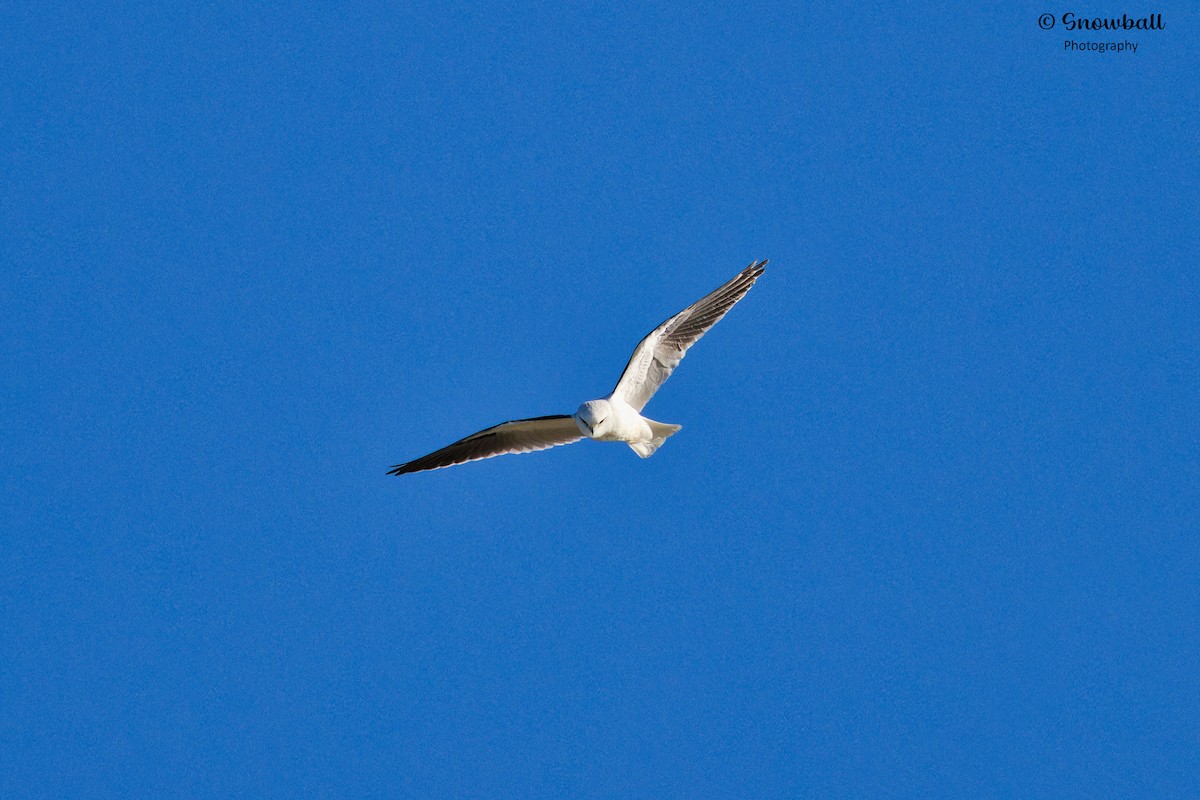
{"x":515,"y":436}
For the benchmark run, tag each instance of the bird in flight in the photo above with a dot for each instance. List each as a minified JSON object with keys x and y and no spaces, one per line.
{"x":617,"y":416}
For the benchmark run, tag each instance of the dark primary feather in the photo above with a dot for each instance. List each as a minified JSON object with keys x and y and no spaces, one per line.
{"x":657,"y":355}
{"x":514,"y":436}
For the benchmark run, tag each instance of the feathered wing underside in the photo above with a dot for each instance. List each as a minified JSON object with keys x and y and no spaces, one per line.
{"x":660,"y":352}
{"x":517,"y":436}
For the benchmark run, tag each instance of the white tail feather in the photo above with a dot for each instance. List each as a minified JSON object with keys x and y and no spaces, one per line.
{"x":661,"y":431}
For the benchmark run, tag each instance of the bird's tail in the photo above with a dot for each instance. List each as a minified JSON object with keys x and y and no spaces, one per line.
{"x":660,"y":432}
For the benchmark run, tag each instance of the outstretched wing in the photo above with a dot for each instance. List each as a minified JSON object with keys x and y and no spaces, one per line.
{"x":517,"y":436}
{"x":661,"y":351}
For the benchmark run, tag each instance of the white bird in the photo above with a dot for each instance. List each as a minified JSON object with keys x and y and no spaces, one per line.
{"x":615,"y":417}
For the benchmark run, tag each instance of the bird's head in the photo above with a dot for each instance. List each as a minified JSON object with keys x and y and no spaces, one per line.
{"x":593,"y":418}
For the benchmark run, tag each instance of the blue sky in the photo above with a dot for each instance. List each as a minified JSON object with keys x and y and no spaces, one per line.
{"x":929,"y":529}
